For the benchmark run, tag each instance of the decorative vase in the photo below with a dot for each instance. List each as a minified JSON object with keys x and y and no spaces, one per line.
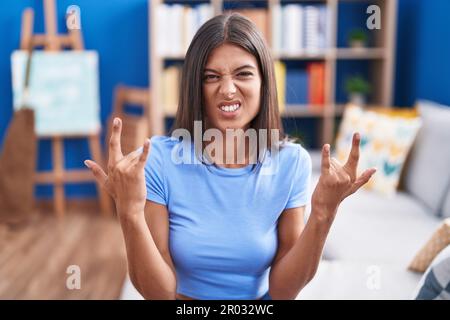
{"x":357,"y":44}
{"x":357,"y":99}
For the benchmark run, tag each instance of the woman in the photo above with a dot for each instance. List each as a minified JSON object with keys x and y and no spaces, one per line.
{"x":225,"y":227}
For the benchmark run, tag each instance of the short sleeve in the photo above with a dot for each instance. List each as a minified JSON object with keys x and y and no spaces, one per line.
{"x":300,"y":192}
{"x":154,"y":173}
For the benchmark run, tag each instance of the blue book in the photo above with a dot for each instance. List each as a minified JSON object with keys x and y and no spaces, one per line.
{"x":296,"y":86}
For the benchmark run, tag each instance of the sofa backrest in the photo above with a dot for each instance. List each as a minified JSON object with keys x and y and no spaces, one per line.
{"x":446,"y":206}
{"x":428,"y":172}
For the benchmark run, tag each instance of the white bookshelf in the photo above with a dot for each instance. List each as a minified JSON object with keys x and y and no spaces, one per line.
{"x":380,"y":57}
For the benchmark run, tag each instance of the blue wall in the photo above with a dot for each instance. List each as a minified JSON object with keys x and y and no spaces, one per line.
{"x":117,"y":29}
{"x":423,"y":52}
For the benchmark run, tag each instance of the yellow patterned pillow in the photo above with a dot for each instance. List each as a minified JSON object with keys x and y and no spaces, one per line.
{"x":438,"y":241}
{"x":397,"y":112}
{"x":385,"y":143}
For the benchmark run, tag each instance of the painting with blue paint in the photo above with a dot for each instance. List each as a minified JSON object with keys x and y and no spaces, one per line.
{"x":63,"y":91}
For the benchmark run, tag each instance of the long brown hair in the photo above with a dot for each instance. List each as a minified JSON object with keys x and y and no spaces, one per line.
{"x":238,"y":30}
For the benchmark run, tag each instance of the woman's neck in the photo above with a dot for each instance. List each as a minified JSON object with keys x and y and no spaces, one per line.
{"x":233,"y":151}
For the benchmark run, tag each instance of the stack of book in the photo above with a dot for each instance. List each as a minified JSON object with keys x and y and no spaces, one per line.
{"x":298,"y":29}
{"x":177,"y":25}
{"x":300,"y":88}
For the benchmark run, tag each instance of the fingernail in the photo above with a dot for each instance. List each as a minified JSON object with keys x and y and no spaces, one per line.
{"x":357,"y":135}
{"x":116,"y":122}
{"x":86,"y":163}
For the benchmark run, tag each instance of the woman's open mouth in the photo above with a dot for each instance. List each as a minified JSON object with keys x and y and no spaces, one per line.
{"x":231,"y":109}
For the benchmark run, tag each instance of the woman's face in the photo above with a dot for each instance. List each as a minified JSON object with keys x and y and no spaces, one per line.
{"x":231,"y":88}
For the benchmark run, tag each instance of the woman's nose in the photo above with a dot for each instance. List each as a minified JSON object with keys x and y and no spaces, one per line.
{"x":227,"y":87}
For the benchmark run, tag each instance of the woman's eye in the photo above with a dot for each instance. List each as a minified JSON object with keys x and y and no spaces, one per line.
{"x":245,"y":74}
{"x":210,"y":77}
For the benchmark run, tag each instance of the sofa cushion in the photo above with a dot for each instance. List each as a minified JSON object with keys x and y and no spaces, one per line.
{"x":435,"y":283}
{"x":372,"y":228}
{"x":385,"y":143}
{"x":437,"y":242}
{"x":129,"y":292}
{"x":427,"y":175}
{"x":360,"y":281}
{"x":445,"y":211}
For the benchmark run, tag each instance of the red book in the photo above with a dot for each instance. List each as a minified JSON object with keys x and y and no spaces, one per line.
{"x":311,"y":81}
{"x":316,"y":77}
{"x":320,"y":84}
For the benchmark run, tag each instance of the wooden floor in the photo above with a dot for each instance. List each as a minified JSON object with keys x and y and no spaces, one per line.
{"x":34,"y":257}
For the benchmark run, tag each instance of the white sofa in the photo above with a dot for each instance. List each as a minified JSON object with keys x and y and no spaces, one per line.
{"x":374,"y":238}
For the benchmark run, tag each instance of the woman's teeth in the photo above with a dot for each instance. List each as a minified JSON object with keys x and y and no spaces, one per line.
{"x":230,"y":108}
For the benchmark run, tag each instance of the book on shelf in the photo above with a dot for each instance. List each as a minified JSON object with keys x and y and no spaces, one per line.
{"x":177,"y":25}
{"x":292,"y":29}
{"x":296,"y":87}
{"x":171,"y":78}
{"x":300,"y":87}
{"x":276,"y":29}
{"x":280,"y":79}
{"x":316,"y":88}
{"x":298,"y":29}
{"x":312,"y":28}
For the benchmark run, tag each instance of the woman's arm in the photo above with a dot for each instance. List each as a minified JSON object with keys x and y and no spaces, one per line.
{"x":149,"y":264}
{"x":292,"y":271}
{"x":125,"y":182}
{"x":297,"y":267}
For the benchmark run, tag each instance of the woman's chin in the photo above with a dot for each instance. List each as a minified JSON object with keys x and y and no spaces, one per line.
{"x":233,"y":124}
{"x":233,"y":127}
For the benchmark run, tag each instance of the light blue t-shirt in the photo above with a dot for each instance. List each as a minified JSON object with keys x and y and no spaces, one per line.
{"x":223,"y":221}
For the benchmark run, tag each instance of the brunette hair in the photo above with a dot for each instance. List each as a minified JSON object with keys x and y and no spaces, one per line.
{"x":235,"y":29}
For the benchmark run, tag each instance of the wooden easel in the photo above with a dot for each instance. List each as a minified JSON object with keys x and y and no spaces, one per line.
{"x":51,"y":41}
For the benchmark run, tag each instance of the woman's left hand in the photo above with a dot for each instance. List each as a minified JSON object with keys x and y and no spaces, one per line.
{"x":337,"y":181}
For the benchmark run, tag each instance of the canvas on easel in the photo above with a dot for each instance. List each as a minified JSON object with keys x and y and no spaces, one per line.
{"x":53,"y":43}
{"x":63,"y":91}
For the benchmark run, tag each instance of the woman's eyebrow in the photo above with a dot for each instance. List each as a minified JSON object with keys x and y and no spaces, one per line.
{"x":237,"y":69}
{"x":210,"y":70}
{"x":245,"y":66}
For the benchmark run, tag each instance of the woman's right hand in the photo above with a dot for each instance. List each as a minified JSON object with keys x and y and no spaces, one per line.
{"x":125,"y":180}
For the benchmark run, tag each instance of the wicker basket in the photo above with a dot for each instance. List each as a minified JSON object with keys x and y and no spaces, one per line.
{"x":17,"y":168}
